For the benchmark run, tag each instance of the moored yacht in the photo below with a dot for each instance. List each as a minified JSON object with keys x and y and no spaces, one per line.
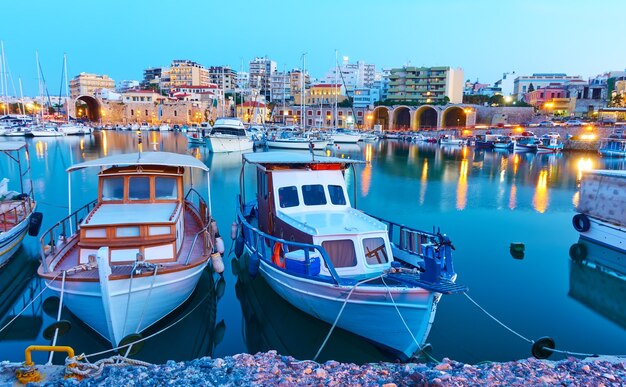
{"x":228,"y":135}
{"x":133,"y":255}
{"x":372,"y":277}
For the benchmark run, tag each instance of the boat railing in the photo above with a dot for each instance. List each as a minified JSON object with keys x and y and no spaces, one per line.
{"x":62,"y":228}
{"x":202,"y":209}
{"x":406,"y":238}
{"x":19,"y":210}
{"x":264,"y":245}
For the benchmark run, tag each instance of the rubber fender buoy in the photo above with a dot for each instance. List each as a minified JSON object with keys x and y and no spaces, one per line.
{"x":239,"y":243}
{"x":63,"y":327}
{"x":233,"y":230}
{"x":253,"y":264}
{"x":581,"y":222}
{"x":217,"y":262}
{"x":539,"y":350}
{"x":34,"y":223}
{"x":578,"y":252}
{"x":219,"y":245}
{"x":278,"y":257}
{"x":131,"y":339}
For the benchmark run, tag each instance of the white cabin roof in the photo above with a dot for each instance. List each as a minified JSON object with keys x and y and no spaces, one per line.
{"x":144,"y":158}
{"x":11,"y":145}
{"x":607,"y":172}
{"x":294,"y":158}
{"x":117,"y":213}
{"x":347,"y":221}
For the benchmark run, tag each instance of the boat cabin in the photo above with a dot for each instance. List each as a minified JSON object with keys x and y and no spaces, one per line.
{"x":305,"y":199}
{"x":139,"y":211}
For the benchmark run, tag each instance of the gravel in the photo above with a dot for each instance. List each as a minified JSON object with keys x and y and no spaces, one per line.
{"x":273,"y":369}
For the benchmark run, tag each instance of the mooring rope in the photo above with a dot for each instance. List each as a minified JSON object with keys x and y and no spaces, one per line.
{"x":29,"y":304}
{"x":56,"y":330}
{"x":345,"y":302}
{"x":564,"y":352}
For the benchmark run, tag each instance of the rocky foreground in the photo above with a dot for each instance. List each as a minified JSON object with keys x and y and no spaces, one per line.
{"x":273,"y":369}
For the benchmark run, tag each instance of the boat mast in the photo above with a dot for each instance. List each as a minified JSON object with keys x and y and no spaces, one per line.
{"x":302,"y":84}
{"x":284,"y":88}
{"x":39,"y":86}
{"x":3,"y":79}
{"x":336,"y":92}
{"x":22,"y":97}
{"x":67,"y":94}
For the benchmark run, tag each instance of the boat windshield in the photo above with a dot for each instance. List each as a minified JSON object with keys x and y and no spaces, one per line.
{"x":375,"y":252}
{"x":165,"y":188}
{"x":341,"y":252}
{"x":313,"y":195}
{"x":336,"y":195}
{"x":229,"y":131}
{"x":113,"y":188}
{"x":288,"y":197}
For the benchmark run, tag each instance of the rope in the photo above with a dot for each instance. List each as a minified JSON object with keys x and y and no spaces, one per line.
{"x":345,"y":302}
{"x":94,"y":370}
{"x":130,"y":347}
{"x":130,"y":288}
{"x":563,"y":352}
{"x":56,"y":330}
{"x":400,"y":314}
{"x":28,"y":305}
{"x":150,"y":336}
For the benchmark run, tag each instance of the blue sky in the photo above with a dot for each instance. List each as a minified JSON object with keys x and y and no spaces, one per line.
{"x":485,"y":38}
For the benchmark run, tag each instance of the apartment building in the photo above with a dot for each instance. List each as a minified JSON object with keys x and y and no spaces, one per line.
{"x":186,"y":72}
{"x":87,"y":84}
{"x":425,"y":85}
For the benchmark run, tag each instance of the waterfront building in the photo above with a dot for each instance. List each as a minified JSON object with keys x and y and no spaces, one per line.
{"x":152,"y":76}
{"x":364,"y":97}
{"x":242,"y":79}
{"x":261,"y":70}
{"x":142,"y":97}
{"x":87,"y":84}
{"x":224,"y":77}
{"x":384,"y":84}
{"x":352,"y":75}
{"x":506,"y":83}
{"x":280,"y":86}
{"x":126,"y":85}
{"x":426,"y":85}
{"x":551,"y":100}
{"x":522,"y":83}
{"x":589,"y":97}
{"x":252,"y":112}
{"x":186,"y":72}
{"x":322,"y":94}
{"x":295,"y":82}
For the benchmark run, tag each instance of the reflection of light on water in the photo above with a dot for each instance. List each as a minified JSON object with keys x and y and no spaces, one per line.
{"x":513,"y":197}
{"x":540,"y":200}
{"x":584,"y":164}
{"x":105,"y":143}
{"x":515,"y":163}
{"x":369,"y":151}
{"x":153,"y":140}
{"x":424,"y":181}
{"x":504,"y":162}
{"x":576,"y":198}
{"x":412,"y":155}
{"x":461,"y":188}
{"x":41,"y":148}
{"x":366,"y":179}
{"x":464,"y":152}
{"x":82,"y":144}
{"x":196,"y":153}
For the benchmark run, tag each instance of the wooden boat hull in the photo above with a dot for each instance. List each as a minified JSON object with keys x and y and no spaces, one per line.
{"x":225,"y":144}
{"x":369,"y":311}
{"x":11,"y":240}
{"x":108,"y":316}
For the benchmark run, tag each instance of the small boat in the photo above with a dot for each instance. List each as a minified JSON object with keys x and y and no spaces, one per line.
{"x":73,"y":129}
{"x":614,"y":146}
{"x":164,"y":128}
{"x":527,"y":142}
{"x":374,"y":278}
{"x":602,"y":207}
{"x":486,"y":140}
{"x":17,"y":209}
{"x":195,"y":138}
{"x":392,"y":135}
{"x":20,"y":131}
{"x":504,"y":142}
{"x":550,"y":143}
{"x":289,"y":140}
{"x":342,"y":136}
{"x":228,"y":135}
{"x":448,"y":139}
{"x":45,"y":130}
{"x":127,"y":259}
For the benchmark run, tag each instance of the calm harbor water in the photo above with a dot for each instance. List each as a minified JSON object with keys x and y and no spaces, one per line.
{"x":483,"y":200}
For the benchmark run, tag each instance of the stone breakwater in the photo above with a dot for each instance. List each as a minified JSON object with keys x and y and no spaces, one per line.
{"x":273,"y":369}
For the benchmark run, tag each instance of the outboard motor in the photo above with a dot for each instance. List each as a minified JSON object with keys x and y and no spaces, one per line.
{"x":432,"y":263}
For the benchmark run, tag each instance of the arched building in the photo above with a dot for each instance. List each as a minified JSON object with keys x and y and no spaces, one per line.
{"x":423,"y":117}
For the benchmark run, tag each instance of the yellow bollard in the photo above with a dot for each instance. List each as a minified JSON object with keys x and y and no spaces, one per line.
{"x":28,"y":373}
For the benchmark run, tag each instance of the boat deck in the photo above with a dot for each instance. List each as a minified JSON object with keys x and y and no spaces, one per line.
{"x":77,"y":272}
{"x":12,"y":212}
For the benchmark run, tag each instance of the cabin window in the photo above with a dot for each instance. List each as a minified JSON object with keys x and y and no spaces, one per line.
{"x":127,"y":232}
{"x":375,"y":251}
{"x":113,"y":188}
{"x":262,"y":184}
{"x":336,"y":195}
{"x":313,"y":195}
{"x":340,"y":252}
{"x":288,"y":197}
{"x":139,"y":188}
{"x":165,"y":188}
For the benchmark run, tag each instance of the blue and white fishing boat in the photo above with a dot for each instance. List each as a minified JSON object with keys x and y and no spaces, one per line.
{"x":17,"y":209}
{"x":550,"y":142}
{"x":375,"y":278}
{"x":527,"y":142}
{"x":613,"y":147}
{"x":504,"y":142}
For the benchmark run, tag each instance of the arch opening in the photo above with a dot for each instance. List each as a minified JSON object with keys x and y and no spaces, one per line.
{"x":454,"y":116}
{"x":381,"y":117}
{"x":87,"y":107}
{"x":426,"y":117}
{"x":402,"y":118}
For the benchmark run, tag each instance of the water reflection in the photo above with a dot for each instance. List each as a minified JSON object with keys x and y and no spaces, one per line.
{"x":598,"y":279}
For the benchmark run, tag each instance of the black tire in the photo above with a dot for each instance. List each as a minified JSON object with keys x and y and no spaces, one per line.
{"x":578,"y":252}
{"x":581,"y":222}
{"x":34,"y":223}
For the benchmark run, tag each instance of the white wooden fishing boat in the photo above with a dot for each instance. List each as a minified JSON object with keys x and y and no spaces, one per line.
{"x":602,"y":208}
{"x":375,"y":278}
{"x":613,"y":147}
{"x":527,"y":142}
{"x":504,"y":142}
{"x":296,"y":142}
{"x":550,"y":143}
{"x":195,"y":138}
{"x":448,"y":139}
{"x":228,"y":135}
{"x":127,"y":259}
{"x":342,"y":136}
{"x":17,"y":209}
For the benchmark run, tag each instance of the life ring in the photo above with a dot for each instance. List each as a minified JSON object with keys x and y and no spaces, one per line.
{"x":581,"y":222}
{"x":277,"y":255}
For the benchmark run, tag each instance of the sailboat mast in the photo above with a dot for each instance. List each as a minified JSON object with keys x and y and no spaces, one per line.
{"x":303,"y":104}
{"x":3,"y":80}
{"x":284,"y":91}
{"x":67,"y":94}
{"x":39,"y":85}
{"x":22,"y":97}
{"x":336,"y":92}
